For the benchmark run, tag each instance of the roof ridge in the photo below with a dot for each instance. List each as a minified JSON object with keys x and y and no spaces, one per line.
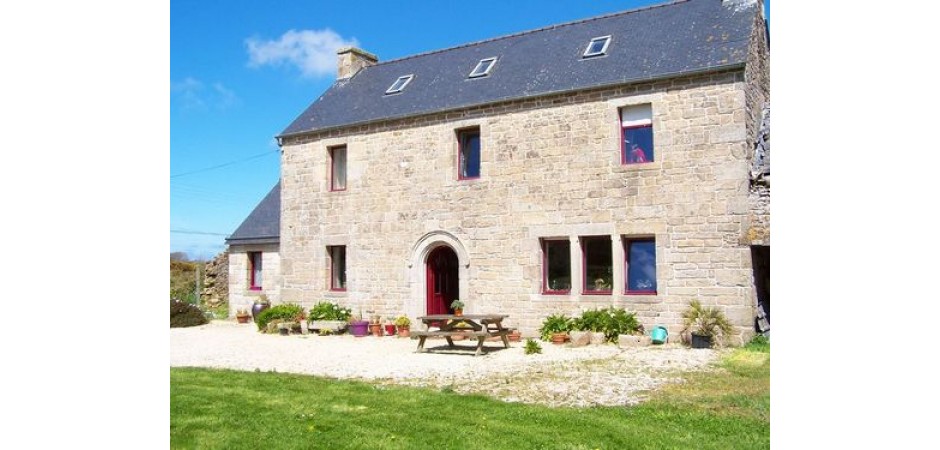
{"x":522,"y":33}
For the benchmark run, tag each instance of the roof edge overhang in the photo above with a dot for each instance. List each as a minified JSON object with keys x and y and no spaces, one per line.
{"x":254,"y":240}
{"x":722,"y":68}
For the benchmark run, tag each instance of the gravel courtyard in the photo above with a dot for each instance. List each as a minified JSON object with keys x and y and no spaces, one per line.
{"x":560,"y":376}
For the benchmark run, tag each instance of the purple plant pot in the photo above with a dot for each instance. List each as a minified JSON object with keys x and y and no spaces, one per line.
{"x":359,"y":328}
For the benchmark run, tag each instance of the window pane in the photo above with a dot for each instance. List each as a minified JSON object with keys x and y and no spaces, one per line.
{"x":339,"y":169}
{"x":638,"y":144}
{"x":338,"y":267}
{"x":641,"y":266}
{"x":558,"y":265}
{"x":596,"y":47}
{"x":470,"y":154}
{"x":598,"y":264}
{"x":255,"y":269}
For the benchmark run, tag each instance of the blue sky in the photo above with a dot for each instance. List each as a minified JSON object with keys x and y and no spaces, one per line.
{"x":241,"y":71}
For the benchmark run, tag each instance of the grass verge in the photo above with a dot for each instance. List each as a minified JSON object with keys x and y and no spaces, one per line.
{"x":220,"y":409}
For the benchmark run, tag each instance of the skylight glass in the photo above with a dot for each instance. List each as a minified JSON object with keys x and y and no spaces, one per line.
{"x":597,"y":46}
{"x":399,"y":84}
{"x":483,"y":68}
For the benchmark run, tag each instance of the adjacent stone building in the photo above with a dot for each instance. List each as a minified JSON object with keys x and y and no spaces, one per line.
{"x":600,"y":162}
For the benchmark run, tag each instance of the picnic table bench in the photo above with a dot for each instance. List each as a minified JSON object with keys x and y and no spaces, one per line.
{"x":448,"y":326}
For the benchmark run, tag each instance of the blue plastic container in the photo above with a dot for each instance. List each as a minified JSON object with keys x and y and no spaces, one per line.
{"x":659,"y":334}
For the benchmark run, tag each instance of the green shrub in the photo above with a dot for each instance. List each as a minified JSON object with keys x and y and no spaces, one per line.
{"x":329,"y":311}
{"x":532,"y":347}
{"x":611,"y":321}
{"x":285,"y":312}
{"x":555,"y":323}
{"x":183,"y":314}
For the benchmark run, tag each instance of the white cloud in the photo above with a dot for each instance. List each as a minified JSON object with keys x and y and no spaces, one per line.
{"x":191,"y":94}
{"x":312,"y":51}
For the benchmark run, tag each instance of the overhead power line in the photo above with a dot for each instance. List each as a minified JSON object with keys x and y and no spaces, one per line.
{"x":224,"y":164}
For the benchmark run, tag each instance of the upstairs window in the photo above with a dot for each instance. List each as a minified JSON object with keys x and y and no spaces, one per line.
{"x":598,"y":264}
{"x":338,"y":168}
{"x":597,"y":47}
{"x":254,"y":271}
{"x":640,"y":264}
{"x":483,"y":68}
{"x":337,"y":267}
{"x":469,"y":153}
{"x":399,"y":84}
{"x":556,"y":266}
{"x":636,"y":123}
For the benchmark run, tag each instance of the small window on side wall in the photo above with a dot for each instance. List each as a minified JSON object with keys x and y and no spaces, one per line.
{"x":636,"y":123}
{"x":468,"y":153}
{"x":556,"y":266}
{"x":640,"y":254}
{"x":337,"y":255}
{"x":254,"y":271}
{"x":338,"y":168}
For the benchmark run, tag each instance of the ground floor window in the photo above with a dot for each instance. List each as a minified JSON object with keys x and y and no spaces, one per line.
{"x":337,"y":255}
{"x":254,"y":271}
{"x":640,"y":255}
{"x":556,"y":266}
{"x":598,"y":264}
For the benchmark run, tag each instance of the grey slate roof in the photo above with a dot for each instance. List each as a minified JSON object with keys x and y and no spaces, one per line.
{"x":671,"y":39}
{"x":263,"y":225}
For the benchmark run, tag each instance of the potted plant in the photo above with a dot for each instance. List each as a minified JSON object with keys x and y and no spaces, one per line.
{"x":359,"y":327}
{"x":243,"y":315}
{"x":329,"y":316}
{"x":389,"y":327}
{"x":457,"y":306}
{"x":515,"y":335}
{"x":375,"y":325}
{"x":261,"y":303}
{"x":555,"y":328}
{"x":706,"y":325}
{"x":404,"y":326}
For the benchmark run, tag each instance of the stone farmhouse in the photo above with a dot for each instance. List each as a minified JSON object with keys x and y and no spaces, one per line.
{"x":618,"y":160}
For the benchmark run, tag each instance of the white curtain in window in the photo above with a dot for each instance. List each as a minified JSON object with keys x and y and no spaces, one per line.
{"x":339,"y":168}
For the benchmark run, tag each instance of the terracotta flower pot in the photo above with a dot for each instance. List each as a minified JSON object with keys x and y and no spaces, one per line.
{"x":404,"y":331}
{"x":243,"y":319}
{"x":376,"y":329}
{"x":515,"y":336}
{"x":559,"y":338}
{"x":458,"y":312}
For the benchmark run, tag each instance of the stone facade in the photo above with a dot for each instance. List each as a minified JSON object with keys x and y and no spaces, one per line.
{"x":239,"y":294}
{"x":550,"y":168}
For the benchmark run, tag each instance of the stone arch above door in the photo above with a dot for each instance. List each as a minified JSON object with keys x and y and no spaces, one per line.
{"x":416,"y":305}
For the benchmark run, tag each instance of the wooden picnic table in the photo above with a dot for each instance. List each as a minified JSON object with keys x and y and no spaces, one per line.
{"x":479,"y":326}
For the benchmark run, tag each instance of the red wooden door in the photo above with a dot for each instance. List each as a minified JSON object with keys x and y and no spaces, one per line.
{"x":442,"y":280}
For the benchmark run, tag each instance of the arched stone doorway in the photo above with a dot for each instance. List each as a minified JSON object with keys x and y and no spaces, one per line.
{"x":421,"y":254}
{"x":443,"y":281}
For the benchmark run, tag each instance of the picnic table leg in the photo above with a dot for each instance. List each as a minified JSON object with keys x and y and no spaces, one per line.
{"x":450,"y":341}
{"x":505,"y":341}
{"x":480,"y":345}
{"x":421,"y":344}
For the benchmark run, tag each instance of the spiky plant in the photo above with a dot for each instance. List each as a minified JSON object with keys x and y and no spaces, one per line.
{"x":703,"y":321}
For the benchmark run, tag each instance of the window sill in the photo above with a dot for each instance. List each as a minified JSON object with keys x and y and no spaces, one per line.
{"x":640,"y":293}
{"x":568,"y":292}
{"x":597,"y":293}
{"x":254,"y":288}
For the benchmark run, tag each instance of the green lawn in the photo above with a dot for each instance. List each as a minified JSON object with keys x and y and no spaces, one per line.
{"x":214,"y":409}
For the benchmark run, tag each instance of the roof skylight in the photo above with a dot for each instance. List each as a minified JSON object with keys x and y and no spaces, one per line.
{"x":399,"y":84}
{"x":483,"y":67}
{"x":597,"y":47}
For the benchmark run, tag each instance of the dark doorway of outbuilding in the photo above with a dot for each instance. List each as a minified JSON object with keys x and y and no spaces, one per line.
{"x":760,"y":258}
{"x":443,"y":282}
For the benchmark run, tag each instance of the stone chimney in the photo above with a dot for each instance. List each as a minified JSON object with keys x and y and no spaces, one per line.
{"x":351,"y":60}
